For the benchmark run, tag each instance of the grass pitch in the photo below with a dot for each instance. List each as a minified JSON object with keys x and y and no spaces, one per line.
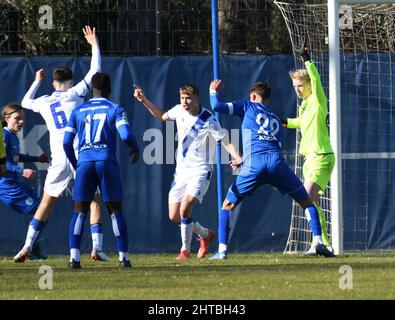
{"x":241,"y":276}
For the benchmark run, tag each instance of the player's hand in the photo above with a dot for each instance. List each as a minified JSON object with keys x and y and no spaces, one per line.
{"x":215,"y":85}
{"x":235,"y":164}
{"x":135,"y":156}
{"x":138,"y":93}
{"x":284,"y":122}
{"x":43,"y":158}
{"x":302,"y":51}
{"x":40,"y":75}
{"x":3,"y":170}
{"x":29,"y":173}
{"x":90,"y":35}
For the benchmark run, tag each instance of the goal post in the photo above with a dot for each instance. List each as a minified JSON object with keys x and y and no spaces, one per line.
{"x":345,"y":37}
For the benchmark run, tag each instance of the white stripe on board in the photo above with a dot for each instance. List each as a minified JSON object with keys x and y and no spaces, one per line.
{"x":369,"y":155}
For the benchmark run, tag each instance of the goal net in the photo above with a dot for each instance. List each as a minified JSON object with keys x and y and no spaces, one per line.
{"x":367,"y":83}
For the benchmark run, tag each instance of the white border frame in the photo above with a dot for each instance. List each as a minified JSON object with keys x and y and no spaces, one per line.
{"x":335,"y":116}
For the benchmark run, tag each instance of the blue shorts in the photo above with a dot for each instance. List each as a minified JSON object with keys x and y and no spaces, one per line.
{"x":102,"y":174}
{"x":18,"y":196}
{"x":266,"y":169}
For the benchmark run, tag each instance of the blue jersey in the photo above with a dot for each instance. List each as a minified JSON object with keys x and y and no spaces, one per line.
{"x":96,"y":122}
{"x":11,"y":143}
{"x":261,"y":128}
{"x":14,"y":193}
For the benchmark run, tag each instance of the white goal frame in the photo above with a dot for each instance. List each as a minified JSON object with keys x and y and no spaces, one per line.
{"x":335,"y":116}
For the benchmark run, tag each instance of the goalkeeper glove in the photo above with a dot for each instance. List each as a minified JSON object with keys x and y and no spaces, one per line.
{"x":302,"y":51}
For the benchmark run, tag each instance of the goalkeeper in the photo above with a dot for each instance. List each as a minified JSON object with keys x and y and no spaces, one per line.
{"x":315,"y":144}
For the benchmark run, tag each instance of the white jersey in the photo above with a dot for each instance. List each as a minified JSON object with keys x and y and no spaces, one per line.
{"x":195,"y":150}
{"x":56,"y":108}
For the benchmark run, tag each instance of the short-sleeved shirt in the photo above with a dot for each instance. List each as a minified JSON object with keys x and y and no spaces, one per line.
{"x":194,"y":131}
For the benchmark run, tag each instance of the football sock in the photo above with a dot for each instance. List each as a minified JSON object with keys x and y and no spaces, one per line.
{"x":75,"y":255}
{"x":223,"y":227}
{"x":313,"y":220}
{"x":186,"y":233}
{"x":34,"y":230}
{"x":324,"y":232}
{"x":120,"y":231}
{"x":76,"y":230}
{"x":200,"y":230}
{"x":97,"y":236}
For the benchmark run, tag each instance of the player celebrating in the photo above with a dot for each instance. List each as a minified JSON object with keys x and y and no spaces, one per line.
{"x":96,"y":123}
{"x":193,"y":172}
{"x":262,"y":163}
{"x":14,"y":193}
{"x":56,"y":110}
{"x":315,"y":144}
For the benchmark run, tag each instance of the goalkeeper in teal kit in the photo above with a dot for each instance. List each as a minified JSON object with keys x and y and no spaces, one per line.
{"x":315,"y":145}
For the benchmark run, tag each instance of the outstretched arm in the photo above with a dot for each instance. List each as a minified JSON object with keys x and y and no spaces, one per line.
{"x":28,"y":99}
{"x":218,"y":106}
{"x":83,"y":87}
{"x":231,"y":149}
{"x":152,"y":108}
{"x":315,"y":80}
{"x":43,"y":158}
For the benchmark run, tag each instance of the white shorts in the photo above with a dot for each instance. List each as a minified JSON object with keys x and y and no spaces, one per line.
{"x":192,"y":183}
{"x":59,"y":175}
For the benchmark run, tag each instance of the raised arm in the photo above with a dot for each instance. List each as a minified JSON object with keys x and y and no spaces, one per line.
{"x":316,"y":86}
{"x":83,"y":87}
{"x":233,"y":108}
{"x":28,"y":99}
{"x":218,"y":106}
{"x":152,"y":108}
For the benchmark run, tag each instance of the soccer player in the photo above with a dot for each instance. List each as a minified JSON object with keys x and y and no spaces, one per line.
{"x":96,"y":122}
{"x":14,"y":193}
{"x":262,"y":163}
{"x":56,"y":109}
{"x":315,"y":144}
{"x":195,"y":125}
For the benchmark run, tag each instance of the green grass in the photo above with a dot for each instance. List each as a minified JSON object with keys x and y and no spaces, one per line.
{"x":242,"y":276}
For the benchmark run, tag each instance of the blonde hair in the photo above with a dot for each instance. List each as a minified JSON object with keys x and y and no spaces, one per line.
{"x":300,"y":74}
{"x":189,"y":89}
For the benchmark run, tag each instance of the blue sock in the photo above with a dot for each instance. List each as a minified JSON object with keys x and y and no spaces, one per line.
{"x":76,"y":230}
{"x":223,"y":226}
{"x":313,"y":219}
{"x":120,"y":231}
